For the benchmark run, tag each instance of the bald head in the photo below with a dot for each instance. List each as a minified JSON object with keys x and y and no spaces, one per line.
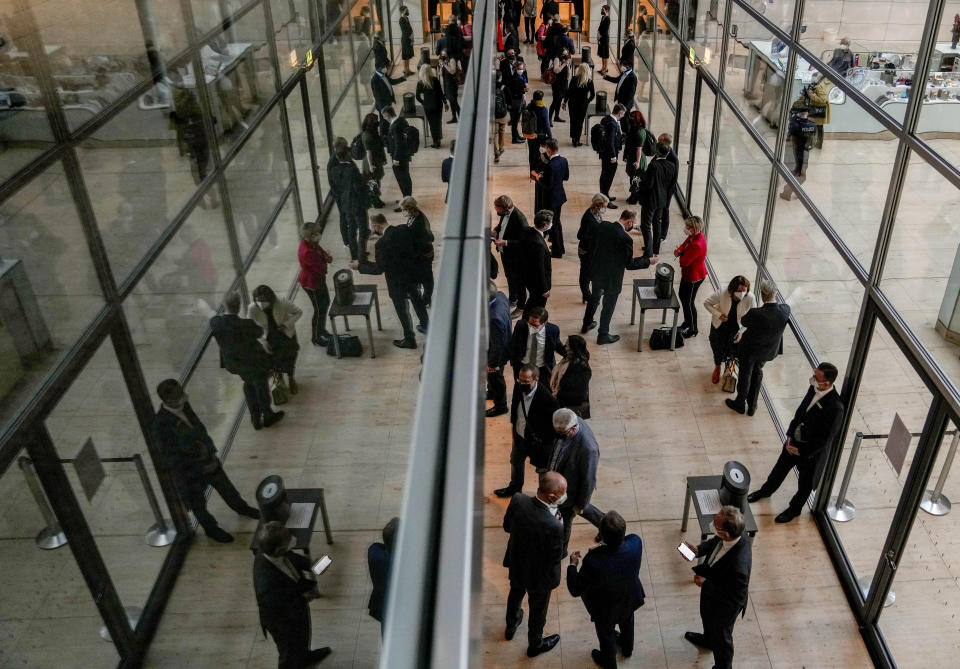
{"x":552,"y":487}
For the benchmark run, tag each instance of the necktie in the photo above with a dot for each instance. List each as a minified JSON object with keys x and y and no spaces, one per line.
{"x":535,"y":348}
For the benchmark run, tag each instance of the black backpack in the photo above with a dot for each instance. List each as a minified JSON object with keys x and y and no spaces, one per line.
{"x":598,"y":138}
{"x":356,"y":147}
{"x":411,"y":138}
{"x":499,"y":104}
{"x":528,"y":124}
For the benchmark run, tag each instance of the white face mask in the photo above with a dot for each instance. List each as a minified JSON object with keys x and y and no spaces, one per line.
{"x":263,"y":305}
{"x":815,"y":384}
{"x":536,"y":329}
{"x":740,"y":294}
{"x":560,"y":500}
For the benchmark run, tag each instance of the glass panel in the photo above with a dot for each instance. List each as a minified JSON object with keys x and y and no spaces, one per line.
{"x":922,"y":273}
{"x":707,"y":34}
{"x":346,"y":119}
{"x":271,"y":265}
{"x":169,"y":308}
{"x":44,"y":595}
{"x":301,"y":154}
{"x":97,"y":408}
{"x":292,"y":33}
{"x":779,"y":13}
{"x":936,"y":126}
{"x":743,"y":172}
{"x":681,"y":143}
{"x":667,"y":64}
{"x":47,"y":280}
{"x":338,"y":59}
{"x":139,"y":177}
{"x":661,"y":116}
{"x":727,"y":252}
{"x":215,"y":395}
{"x":704,"y":130}
{"x":783,"y":378}
{"x":256,"y":179}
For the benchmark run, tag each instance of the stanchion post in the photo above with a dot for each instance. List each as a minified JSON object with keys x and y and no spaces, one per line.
{"x":841,"y":509}
{"x":51,"y":536}
{"x":934,"y":501}
{"x":162,"y":532}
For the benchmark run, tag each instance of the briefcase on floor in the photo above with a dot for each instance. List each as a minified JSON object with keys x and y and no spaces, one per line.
{"x":350,"y":347}
{"x":660,"y":338}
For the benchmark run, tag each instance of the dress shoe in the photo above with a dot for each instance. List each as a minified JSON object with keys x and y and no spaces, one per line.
{"x":512,"y":629}
{"x":696,"y":639}
{"x":257,"y":423}
{"x":422,"y":329}
{"x":752,"y":410}
{"x":517,"y":311}
{"x":733,"y":405}
{"x":509,"y":491}
{"x":786,"y":516}
{"x":493,"y":412}
{"x":251,"y":512}
{"x":272,"y":418}
{"x":611,"y":198}
{"x":546,"y":644}
{"x":519,"y":140}
{"x":688,"y":333}
{"x":560,"y":120}
{"x":397,"y":210}
{"x":587,"y":327}
{"x":716,"y":375}
{"x":322,"y":340}
{"x":597,"y":657}
{"x":626,"y":652}
{"x":607,"y":339}
{"x":405,"y":343}
{"x":318,"y":655}
{"x":292,"y":385}
{"x":453,"y":120}
{"x":611,"y":205}
{"x":755,"y":496}
{"x":220,"y":535}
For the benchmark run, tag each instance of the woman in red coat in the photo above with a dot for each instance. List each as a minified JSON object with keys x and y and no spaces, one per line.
{"x":313,"y":280}
{"x":692,"y":254}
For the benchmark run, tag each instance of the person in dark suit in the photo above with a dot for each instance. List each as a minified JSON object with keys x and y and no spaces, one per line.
{"x":612,"y":255}
{"x":570,"y":379}
{"x":586,"y":235}
{"x":609,"y":584}
{"x":349,"y":191}
{"x":535,"y":261}
{"x":188,"y":453}
{"x":667,"y":139}
{"x":283,"y":591}
{"x":550,"y":177}
{"x":533,"y":556}
{"x":430,"y":94}
{"x":758,"y":344}
{"x":724,"y":579}
{"x":531,"y":415}
{"x":406,"y":39}
{"x":422,"y":250}
{"x":626,"y":85}
{"x":498,"y":350}
{"x":535,"y":342}
{"x":380,"y":57}
{"x":508,"y":235}
{"x":382,"y":85}
{"x":446,"y":168}
{"x":517,"y":82}
{"x":613,"y":140}
{"x":576,"y":456}
{"x":655,"y":193}
{"x":810,"y":436}
{"x":241,"y":353}
{"x":627,"y":50}
{"x":379,"y":557}
{"x":399,"y":151}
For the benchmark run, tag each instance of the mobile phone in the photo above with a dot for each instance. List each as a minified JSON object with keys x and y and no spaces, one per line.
{"x":321,"y":565}
{"x":686,"y":552}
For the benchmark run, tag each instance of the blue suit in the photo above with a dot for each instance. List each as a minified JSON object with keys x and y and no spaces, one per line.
{"x":552,"y":196}
{"x":498,"y":349}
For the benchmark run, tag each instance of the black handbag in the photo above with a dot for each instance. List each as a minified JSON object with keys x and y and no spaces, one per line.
{"x":660,"y":339}
{"x":350,"y":346}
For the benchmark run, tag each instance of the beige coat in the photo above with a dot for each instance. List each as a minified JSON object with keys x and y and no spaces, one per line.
{"x":719,"y":303}
{"x":285,"y":312}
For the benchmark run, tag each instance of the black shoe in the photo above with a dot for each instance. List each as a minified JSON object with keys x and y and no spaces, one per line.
{"x":752,"y":410}
{"x":611,"y":198}
{"x":688,"y":333}
{"x":453,"y":120}
{"x":405,"y":343}
{"x":397,"y":210}
{"x":587,"y":327}
{"x":733,"y":405}
{"x":506,"y":492}
{"x":321,"y":340}
{"x":512,"y":629}
{"x":626,"y":652}
{"x":273,"y":418}
{"x":607,"y":339}
{"x":786,"y":516}
{"x":696,"y":639}
{"x":755,"y":496}
{"x":251,"y":512}
{"x":493,"y":412}
{"x":611,"y":205}
{"x":257,"y":423}
{"x":422,"y":329}
{"x":220,"y":535}
{"x":519,"y":140}
{"x":597,"y":657}
{"x":560,"y":120}
{"x":318,"y":655}
{"x":546,"y":644}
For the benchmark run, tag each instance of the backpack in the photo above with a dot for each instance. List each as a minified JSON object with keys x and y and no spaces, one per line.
{"x":356,"y":147}
{"x":528,"y":124}
{"x":411,"y":139}
{"x":499,"y":104}
{"x":598,"y":138}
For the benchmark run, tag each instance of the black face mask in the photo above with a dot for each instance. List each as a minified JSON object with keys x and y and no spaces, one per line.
{"x":525,"y":388}
{"x":512,"y":58}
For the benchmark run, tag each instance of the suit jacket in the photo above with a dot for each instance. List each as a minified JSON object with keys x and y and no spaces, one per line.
{"x":553,"y":174}
{"x":535,"y":546}
{"x":184,"y":449}
{"x":537,"y":265}
{"x":612,"y":256}
{"x":431,"y":97}
{"x":378,"y":561}
{"x":657,"y":183}
{"x":393,"y":257}
{"x":614,"y":137}
{"x":383,"y":94}
{"x":724,"y":593}
{"x":587,"y":234}
{"x":539,"y":432}
{"x":498,"y":345}
{"x":552,"y":346}
{"x":577,"y":461}
{"x":609,"y":581}
{"x":379,"y":53}
{"x":285,"y":312}
{"x":280,"y":598}
{"x":397,"y":140}
{"x":240,"y":349}
{"x":516,"y":224}
{"x":763,"y":338}
{"x":347,"y":187}
{"x":626,"y":87}
{"x":818,"y":424}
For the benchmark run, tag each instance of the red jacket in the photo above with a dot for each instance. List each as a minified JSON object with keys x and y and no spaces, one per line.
{"x":313,"y":265}
{"x":692,"y":255}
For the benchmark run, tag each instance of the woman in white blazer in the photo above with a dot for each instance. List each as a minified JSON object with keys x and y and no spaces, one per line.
{"x":277,"y":316}
{"x":726,"y":308}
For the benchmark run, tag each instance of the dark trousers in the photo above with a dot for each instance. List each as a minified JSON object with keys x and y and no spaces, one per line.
{"x":497,"y":388}
{"x":650,"y":229}
{"x":529,"y":27}
{"x":688,"y":298}
{"x":721,"y":343}
{"x":197,"y":501}
{"x":806,"y":470}
{"x":320,"y":299}
{"x":607,"y":636}
{"x":435,"y":121}
{"x":256,"y":392}
{"x":748,"y":383}
{"x":558,"y":93}
{"x":585,"y":272}
{"x":425,"y":281}
{"x":799,"y":146}
{"x":538,"y":603}
{"x":450,"y":91}
{"x":293,"y":643}
{"x":400,"y":295}
{"x":578,"y":113}
{"x":590,"y":512}
{"x":518,"y":458}
{"x":608,"y":170}
{"x":514,"y":120}
{"x":402,"y":173}
{"x":556,"y":234}
{"x":513,"y":269}
{"x":533,"y":151}
{"x":610,"y":298}
{"x":665,"y":218}
{"x":718,"y":630}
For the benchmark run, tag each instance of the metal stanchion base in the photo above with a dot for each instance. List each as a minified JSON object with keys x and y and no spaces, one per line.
{"x":843,"y":513}
{"x":940,"y":507}
{"x":49,"y":539}
{"x":864,"y":583}
{"x":133,"y":617}
{"x":158,"y":536}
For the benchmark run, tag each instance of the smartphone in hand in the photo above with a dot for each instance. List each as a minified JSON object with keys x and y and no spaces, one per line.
{"x":686,"y":552}
{"x":321,"y":565}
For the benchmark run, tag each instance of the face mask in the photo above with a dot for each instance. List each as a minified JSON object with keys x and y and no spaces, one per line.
{"x":525,"y":388}
{"x":814,"y":383}
{"x":548,"y":228}
{"x":179,"y":404}
{"x":519,"y":70}
{"x":263,"y":305}
{"x":512,"y":58}
{"x":535,"y":329}
{"x":740,"y":294}
{"x":560,"y":500}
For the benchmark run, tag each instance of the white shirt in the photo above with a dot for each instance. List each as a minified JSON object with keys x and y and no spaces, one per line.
{"x":503,"y":223}
{"x":179,"y":413}
{"x":722,"y":549}
{"x":819,"y":395}
{"x":525,"y":401}
{"x":541,"y":338}
{"x":555,"y":512}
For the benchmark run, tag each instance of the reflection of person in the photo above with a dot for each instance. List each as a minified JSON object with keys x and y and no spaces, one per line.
{"x":278,"y":317}
{"x":379,"y":557}
{"x":498,"y":349}
{"x":955,"y":31}
{"x":187,"y":118}
{"x":818,"y":95}
{"x":842,"y":59}
{"x":802,"y":132}
{"x":406,"y":39}
{"x":727,"y":307}
{"x":576,"y":456}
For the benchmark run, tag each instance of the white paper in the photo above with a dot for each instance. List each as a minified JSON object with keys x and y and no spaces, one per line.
{"x":362,"y":299}
{"x":300,"y":515}
{"x":708,"y":501}
{"x":647,"y":293}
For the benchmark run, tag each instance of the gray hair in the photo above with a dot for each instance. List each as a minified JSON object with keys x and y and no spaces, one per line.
{"x":599,"y":200}
{"x":564,"y":419}
{"x":409,"y":203}
{"x":504,"y":202}
{"x":231,"y":302}
{"x":767,"y":290}
{"x":731,"y":521}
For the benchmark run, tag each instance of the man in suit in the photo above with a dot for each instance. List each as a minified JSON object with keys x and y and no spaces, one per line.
{"x":398,"y":150}
{"x":535,"y":342}
{"x":531,"y":415}
{"x":667,"y":139}
{"x":380,"y":56}
{"x":586,"y":235}
{"x":612,"y":256}
{"x":508,"y":235}
{"x":535,"y":261}
{"x":550,"y":177}
{"x":241,"y":353}
{"x":723,"y":578}
{"x":609,"y":584}
{"x":188,"y":453}
{"x":533,"y":556}
{"x":379,"y":556}
{"x":349,"y":191}
{"x":283,"y":589}
{"x":758,"y":344}
{"x":446,"y":169}
{"x":655,"y":191}
{"x":498,"y":350}
{"x":575,"y":455}
{"x":626,"y":84}
{"x":382,"y":85}
{"x":613,"y":140}
{"x":810,"y":435}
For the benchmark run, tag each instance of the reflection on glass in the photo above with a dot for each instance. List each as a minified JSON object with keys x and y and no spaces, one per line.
{"x":942,"y":94}
{"x":275,"y":264}
{"x":660,"y":118}
{"x":339,"y":59}
{"x":667,"y":63}
{"x":301,"y":154}
{"x":704,"y":131}
{"x":293,"y":34}
{"x":726,"y":249}
{"x":743,"y":172}
{"x":346,"y":120}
